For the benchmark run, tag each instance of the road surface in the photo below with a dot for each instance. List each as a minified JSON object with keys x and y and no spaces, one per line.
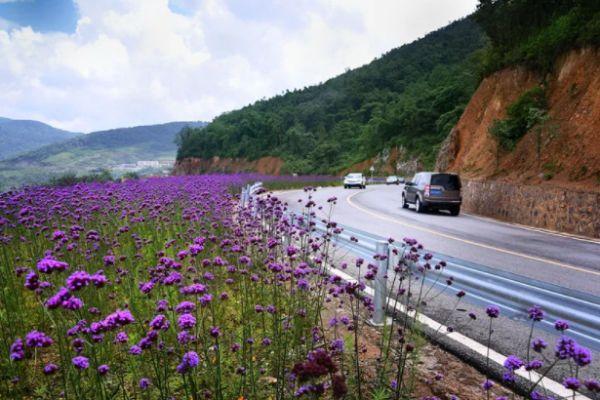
{"x":559,"y":259}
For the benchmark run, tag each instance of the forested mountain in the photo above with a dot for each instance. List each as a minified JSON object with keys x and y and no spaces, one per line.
{"x":410,"y":97}
{"x":19,"y":136}
{"x":97,"y":150}
{"x":534,"y":33}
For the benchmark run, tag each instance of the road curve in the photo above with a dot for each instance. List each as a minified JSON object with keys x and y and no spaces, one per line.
{"x":559,"y":259}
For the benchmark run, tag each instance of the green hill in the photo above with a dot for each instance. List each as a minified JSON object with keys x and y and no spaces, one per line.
{"x":19,"y":136}
{"x":93,"y":151}
{"x":410,"y":97}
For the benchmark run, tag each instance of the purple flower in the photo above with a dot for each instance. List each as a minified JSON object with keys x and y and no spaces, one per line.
{"x":185,"y":307}
{"x":205,"y":299}
{"x":571,"y":383}
{"x":186,"y":321}
{"x":103,"y":369}
{"x":303,"y":284}
{"x":215,"y":331}
{"x":144,"y":383}
{"x":184,"y":337}
{"x":72,"y":303}
{"x":533,"y":365}
{"x":492,"y":311}
{"x":561,"y":325}
{"x":17,"y":351}
{"x":109,"y":260}
{"x":513,"y":363}
{"x":81,"y":362}
{"x":487,"y":385}
{"x":121,"y":337}
{"x":196,"y":288}
{"x":56,"y":300}
{"x":160,"y":322}
{"x":146,"y":287}
{"x":337,"y":345}
{"x":188,"y":361}
{"x":536,"y":313}
{"x":48,"y":264}
{"x":565,"y":347}
{"x":135,"y":350}
{"x":50,"y":369}
{"x":98,"y":279}
{"x":539,"y":344}
{"x":38,"y":339}
{"x":592,"y":385}
{"x":78,"y":280}
{"x":581,"y":355}
{"x":32,"y":281}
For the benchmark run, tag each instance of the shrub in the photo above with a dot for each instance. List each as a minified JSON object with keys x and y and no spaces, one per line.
{"x":526,"y":112}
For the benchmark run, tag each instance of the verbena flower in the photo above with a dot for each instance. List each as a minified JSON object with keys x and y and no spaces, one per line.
{"x":536,"y":313}
{"x":188,"y":361}
{"x":81,"y":362}
{"x":492,"y":311}
{"x":48,"y":265}
{"x":38,"y":339}
{"x":186,"y":321}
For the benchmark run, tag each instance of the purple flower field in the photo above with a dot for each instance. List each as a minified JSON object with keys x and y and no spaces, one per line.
{"x":165,"y":288}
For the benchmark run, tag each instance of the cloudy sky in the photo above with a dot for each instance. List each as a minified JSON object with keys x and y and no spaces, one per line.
{"x":87,"y":65}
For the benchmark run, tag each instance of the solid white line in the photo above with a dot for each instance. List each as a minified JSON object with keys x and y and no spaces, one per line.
{"x":470,"y":242}
{"x":498,"y":358}
{"x":536,"y":229}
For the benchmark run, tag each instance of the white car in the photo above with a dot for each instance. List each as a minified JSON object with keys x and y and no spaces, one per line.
{"x":355,"y":180}
{"x":392,"y":180}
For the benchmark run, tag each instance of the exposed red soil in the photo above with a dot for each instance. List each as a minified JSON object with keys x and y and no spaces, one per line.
{"x":570,"y":156}
{"x":265,"y":165}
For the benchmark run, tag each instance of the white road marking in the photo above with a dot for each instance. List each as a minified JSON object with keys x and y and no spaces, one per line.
{"x":471,"y":242}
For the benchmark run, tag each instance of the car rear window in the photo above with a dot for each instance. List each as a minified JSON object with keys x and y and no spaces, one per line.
{"x":449,"y":182}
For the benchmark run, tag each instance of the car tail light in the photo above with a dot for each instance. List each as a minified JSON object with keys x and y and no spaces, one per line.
{"x":427,"y":187}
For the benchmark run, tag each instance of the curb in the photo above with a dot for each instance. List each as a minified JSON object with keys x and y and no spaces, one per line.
{"x":473,"y":352}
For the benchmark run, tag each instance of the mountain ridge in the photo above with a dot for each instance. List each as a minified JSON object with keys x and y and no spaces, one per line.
{"x":93,"y":151}
{"x":22,"y":135}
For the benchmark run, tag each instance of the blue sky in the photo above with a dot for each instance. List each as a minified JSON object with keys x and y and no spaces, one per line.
{"x":86,"y":65}
{"x":41,"y":15}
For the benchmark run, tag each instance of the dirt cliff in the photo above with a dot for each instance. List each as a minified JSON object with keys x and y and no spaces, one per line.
{"x":568,"y":142}
{"x":264,"y":165}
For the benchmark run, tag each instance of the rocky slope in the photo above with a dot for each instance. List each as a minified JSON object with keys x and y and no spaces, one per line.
{"x":569,"y":150}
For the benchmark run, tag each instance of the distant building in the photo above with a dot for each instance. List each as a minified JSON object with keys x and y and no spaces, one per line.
{"x":148,"y":164}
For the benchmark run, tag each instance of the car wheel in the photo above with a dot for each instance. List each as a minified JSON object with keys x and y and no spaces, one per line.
{"x":455,"y":210}
{"x":404,"y":203}
{"x":418,"y":206}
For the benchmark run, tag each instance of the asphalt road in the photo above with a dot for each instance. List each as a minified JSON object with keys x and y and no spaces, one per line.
{"x":562,"y":260}
{"x":550,"y":257}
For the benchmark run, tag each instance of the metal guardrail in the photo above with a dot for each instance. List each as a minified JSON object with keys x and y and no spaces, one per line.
{"x":248,"y":191}
{"x":513,"y":293}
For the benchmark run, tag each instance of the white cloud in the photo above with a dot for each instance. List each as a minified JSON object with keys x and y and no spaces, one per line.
{"x":131,"y":62}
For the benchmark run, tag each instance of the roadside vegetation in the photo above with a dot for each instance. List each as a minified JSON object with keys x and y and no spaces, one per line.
{"x":529,"y":110}
{"x":167,"y":288}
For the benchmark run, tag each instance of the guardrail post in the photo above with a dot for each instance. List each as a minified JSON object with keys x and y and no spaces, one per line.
{"x":380,"y":296}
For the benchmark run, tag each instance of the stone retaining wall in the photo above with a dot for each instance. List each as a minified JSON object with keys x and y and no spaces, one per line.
{"x":557,"y":209}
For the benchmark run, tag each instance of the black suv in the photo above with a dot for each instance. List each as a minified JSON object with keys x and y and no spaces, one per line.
{"x":433,"y":190}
